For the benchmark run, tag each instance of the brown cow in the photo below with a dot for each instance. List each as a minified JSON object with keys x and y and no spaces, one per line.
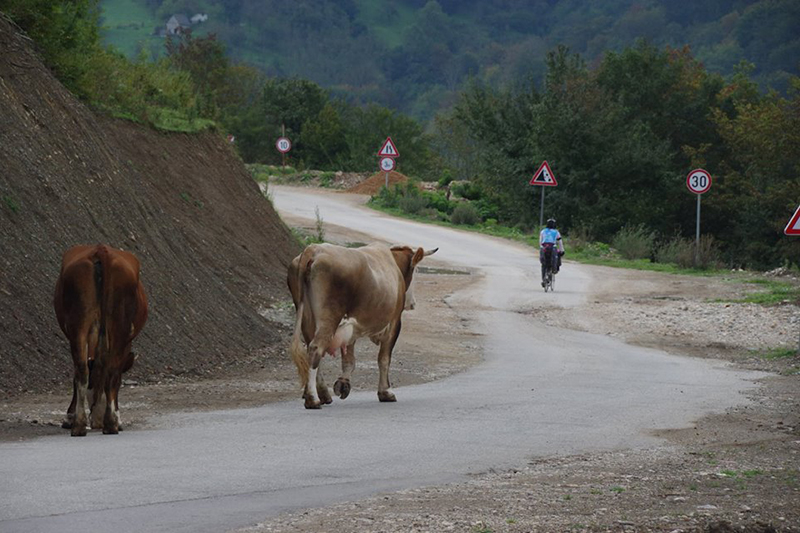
{"x":101,"y":307}
{"x":343,"y":294}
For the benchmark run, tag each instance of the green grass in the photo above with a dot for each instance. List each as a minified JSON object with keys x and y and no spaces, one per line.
{"x":774,"y":292}
{"x":11,"y":203}
{"x":172,"y":120}
{"x":265,"y":172}
{"x":128,"y":25}
{"x":778,"y":353}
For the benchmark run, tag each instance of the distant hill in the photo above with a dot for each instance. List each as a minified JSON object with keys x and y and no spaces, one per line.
{"x":414,"y":55}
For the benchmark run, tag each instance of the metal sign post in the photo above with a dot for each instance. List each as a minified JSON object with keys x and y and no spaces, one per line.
{"x":697,"y":234}
{"x":541,"y":210}
{"x":698,"y":181}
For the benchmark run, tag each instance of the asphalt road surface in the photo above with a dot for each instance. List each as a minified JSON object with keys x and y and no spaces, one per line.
{"x":540,"y":392}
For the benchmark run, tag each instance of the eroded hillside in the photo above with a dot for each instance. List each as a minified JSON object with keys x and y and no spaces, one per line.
{"x":213,"y":250}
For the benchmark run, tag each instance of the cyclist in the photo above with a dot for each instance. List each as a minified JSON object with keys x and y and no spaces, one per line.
{"x":550,"y":238}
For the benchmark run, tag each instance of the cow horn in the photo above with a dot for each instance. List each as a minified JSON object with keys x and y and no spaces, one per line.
{"x":431,"y":252}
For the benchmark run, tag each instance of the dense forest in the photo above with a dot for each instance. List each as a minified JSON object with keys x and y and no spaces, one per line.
{"x":415,"y":55}
{"x":621,"y":128}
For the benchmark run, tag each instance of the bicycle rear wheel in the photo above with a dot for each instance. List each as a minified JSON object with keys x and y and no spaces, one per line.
{"x":548,"y":280}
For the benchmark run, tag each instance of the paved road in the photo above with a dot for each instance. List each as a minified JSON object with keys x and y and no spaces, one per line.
{"x":540,"y":392}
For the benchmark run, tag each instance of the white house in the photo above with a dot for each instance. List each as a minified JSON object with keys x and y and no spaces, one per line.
{"x":177,"y":23}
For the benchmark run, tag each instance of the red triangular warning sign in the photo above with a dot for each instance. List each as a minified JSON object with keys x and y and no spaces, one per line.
{"x":793,"y":227}
{"x":544,"y":176}
{"x":389,"y":149}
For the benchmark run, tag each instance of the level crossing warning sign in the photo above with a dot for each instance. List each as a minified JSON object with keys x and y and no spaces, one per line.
{"x":544,"y":176}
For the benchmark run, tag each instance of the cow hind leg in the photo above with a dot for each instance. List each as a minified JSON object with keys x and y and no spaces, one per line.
{"x":311,"y":394}
{"x":98,"y":406}
{"x":385,"y":393}
{"x":111,"y":416}
{"x":342,"y":386}
{"x":80,"y":385}
{"x":322,"y":389}
{"x":69,"y":420}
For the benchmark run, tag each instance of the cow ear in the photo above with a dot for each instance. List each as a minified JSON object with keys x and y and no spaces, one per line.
{"x":418,"y":255}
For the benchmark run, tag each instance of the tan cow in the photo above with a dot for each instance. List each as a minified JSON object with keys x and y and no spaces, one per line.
{"x":343,"y":294}
{"x":101,"y":307}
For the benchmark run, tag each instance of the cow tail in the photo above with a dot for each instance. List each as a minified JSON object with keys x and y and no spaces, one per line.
{"x":298,"y":350}
{"x":299,"y":354}
{"x":98,"y":289}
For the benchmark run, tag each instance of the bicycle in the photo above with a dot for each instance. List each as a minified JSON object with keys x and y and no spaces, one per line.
{"x":549,"y":282}
{"x":548,"y":276}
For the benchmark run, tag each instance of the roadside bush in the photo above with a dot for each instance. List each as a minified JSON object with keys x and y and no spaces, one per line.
{"x":681,"y":251}
{"x":465,"y":214}
{"x":438,"y":201}
{"x":634,"y":242}
{"x":411,"y":204}
{"x":708,"y":254}
{"x":674,"y":251}
{"x":487,"y":208}
{"x":579,"y":238}
{"x":386,"y":197}
{"x":467,"y":190}
{"x":326,"y":179}
{"x":445,"y":180}
{"x":431,"y":214}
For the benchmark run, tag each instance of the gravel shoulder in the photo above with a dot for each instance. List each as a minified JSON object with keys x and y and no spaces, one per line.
{"x":739,"y":471}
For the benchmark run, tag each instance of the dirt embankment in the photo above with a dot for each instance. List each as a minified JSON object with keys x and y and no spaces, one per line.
{"x":213,"y":250}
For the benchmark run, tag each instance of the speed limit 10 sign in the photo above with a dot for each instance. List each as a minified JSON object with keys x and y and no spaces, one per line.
{"x":283,"y":145}
{"x":698,"y":181}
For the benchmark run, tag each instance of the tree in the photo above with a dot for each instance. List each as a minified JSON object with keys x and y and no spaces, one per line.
{"x":204,"y":59}
{"x":367,"y":128}
{"x":67,"y":32}
{"x":323,"y":140}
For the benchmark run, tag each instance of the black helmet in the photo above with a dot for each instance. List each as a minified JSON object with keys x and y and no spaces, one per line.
{"x":551,"y":223}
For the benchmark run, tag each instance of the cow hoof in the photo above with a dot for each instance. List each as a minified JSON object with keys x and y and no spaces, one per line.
{"x":342,"y":388}
{"x":324,"y":395}
{"x":78,"y":431}
{"x":66,"y":424}
{"x":311,"y":404}
{"x":110,"y":431}
{"x":386,"y":396}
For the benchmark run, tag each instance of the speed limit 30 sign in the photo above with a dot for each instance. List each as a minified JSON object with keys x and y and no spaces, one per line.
{"x":698,"y":181}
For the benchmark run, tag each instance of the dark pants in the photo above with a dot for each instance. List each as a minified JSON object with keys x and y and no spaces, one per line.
{"x":549,"y":253}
